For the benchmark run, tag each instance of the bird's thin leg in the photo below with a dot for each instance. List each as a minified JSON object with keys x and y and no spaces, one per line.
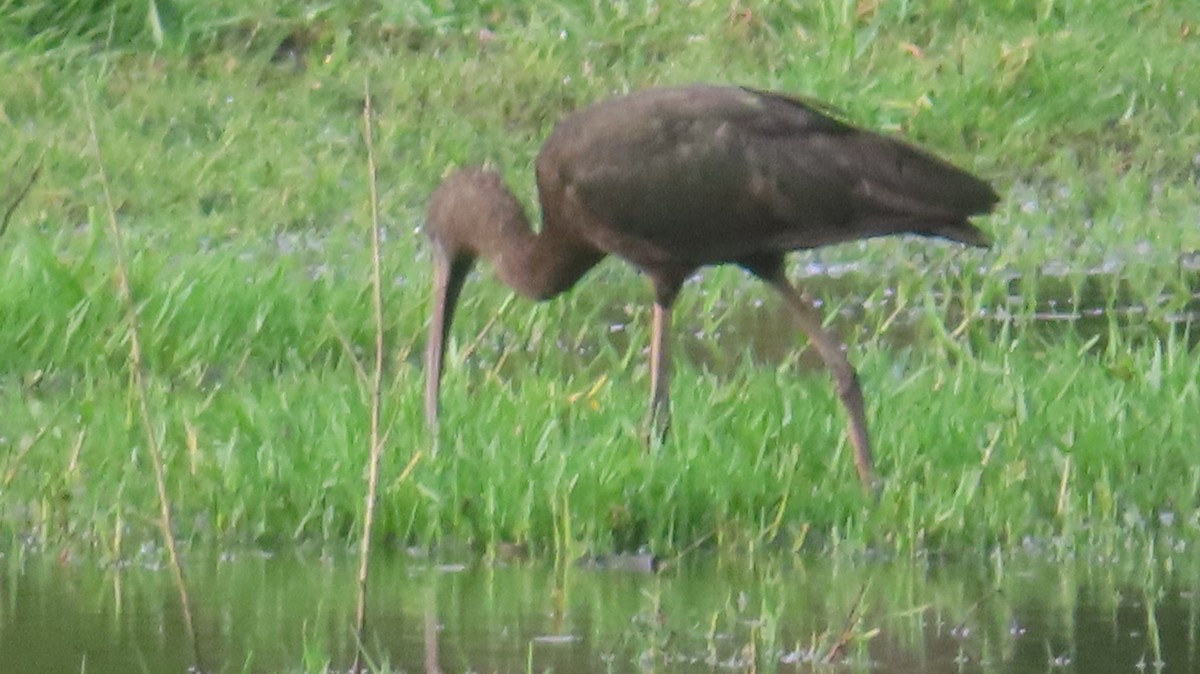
{"x":845,"y":378}
{"x":660,"y":373}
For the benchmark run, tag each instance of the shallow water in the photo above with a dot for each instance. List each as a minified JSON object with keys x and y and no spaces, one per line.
{"x":292,"y":612}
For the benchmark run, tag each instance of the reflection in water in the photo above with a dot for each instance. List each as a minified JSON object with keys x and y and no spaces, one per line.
{"x":257,"y":613}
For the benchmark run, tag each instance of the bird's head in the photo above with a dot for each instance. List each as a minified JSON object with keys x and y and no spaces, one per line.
{"x":470,"y":211}
{"x":471,"y":214}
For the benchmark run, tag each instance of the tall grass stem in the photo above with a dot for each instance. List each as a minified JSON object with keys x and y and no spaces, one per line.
{"x":138,"y":381}
{"x":376,"y":382}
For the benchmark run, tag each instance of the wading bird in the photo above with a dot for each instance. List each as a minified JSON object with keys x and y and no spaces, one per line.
{"x":673,"y":179}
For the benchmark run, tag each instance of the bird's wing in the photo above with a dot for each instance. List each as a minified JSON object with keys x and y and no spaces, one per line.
{"x":689,"y":170}
{"x":901,"y":176}
{"x":714,"y":173}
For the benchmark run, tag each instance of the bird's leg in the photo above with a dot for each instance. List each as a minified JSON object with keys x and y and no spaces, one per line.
{"x":660,"y":374}
{"x":845,"y":378}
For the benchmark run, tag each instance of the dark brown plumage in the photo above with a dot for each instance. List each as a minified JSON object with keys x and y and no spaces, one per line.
{"x":673,"y":179}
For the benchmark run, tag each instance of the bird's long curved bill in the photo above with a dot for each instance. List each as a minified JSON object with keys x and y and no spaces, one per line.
{"x":448,"y":277}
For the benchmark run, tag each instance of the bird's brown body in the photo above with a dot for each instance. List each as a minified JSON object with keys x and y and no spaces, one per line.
{"x":673,"y":179}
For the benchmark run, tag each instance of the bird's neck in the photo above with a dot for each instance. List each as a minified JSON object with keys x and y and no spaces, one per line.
{"x":539,"y":265}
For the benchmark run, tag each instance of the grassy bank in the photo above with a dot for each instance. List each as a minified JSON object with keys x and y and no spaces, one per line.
{"x":233,"y":145}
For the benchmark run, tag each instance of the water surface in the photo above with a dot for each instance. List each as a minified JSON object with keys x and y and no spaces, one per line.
{"x":292,"y":612}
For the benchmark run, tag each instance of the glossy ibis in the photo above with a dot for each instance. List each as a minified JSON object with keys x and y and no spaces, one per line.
{"x":672,"y":179}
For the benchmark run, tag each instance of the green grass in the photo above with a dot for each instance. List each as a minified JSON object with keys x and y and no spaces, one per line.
{"x":240,"y":183}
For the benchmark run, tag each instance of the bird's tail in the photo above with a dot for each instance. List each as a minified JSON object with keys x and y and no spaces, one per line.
{"x":905,"y":184}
